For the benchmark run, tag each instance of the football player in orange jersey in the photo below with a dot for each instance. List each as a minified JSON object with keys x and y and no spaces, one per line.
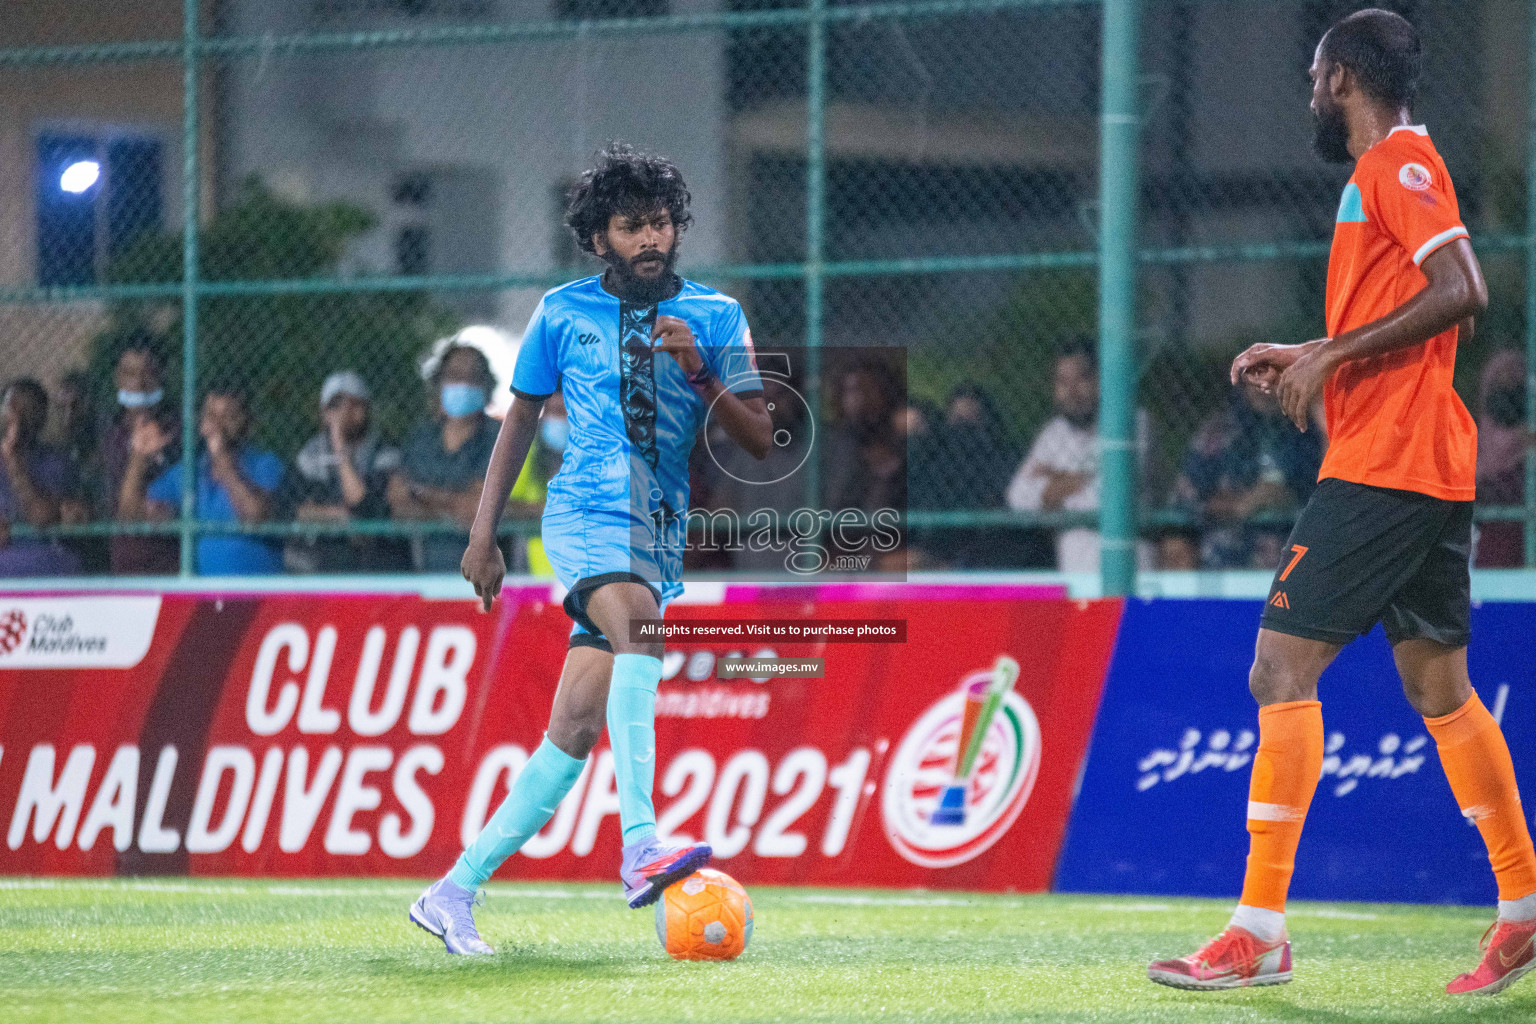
{"x":1387,"y":534}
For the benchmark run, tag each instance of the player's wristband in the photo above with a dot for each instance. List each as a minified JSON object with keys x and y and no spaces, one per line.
{"x":700,"y":378}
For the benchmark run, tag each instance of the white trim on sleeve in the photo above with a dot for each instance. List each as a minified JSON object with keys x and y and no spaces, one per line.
{"x":1434,"y":243}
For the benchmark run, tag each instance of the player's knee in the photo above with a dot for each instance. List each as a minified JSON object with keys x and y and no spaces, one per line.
{"x":1436,"y":698}
{"x":577,"y":730}
{"x":1272,"y":681}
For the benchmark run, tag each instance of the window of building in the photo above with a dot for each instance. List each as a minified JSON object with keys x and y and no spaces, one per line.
{"x":413,"y":250}
{"x":576,"y":10}
{"x":94,"y":196}
{"x":337,"y":10}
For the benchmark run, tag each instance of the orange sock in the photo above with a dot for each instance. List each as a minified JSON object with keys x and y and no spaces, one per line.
{"x":1476,"y":761}
{"x":1285,"y":773}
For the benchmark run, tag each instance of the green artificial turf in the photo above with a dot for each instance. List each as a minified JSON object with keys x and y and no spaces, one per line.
{"x":277,"y":952}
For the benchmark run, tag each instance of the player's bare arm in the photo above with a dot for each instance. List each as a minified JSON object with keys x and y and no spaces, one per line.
{"x":1456,"y":292}
{"x":483,"y":564}
{"x":746,"y":420}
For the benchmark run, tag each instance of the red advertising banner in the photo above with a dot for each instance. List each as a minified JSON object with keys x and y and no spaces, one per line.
{"x":313,"y":735}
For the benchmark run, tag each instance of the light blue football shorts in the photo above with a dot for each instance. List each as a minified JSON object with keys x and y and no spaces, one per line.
{"x":590,"y":548}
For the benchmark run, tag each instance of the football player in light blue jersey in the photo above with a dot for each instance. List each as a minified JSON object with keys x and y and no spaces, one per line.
{"x":640,"y":357}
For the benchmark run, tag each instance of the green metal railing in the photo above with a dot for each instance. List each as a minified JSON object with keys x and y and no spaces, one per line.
{"x":1117,"y":257}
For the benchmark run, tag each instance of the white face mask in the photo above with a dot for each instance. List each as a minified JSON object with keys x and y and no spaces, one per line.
{"x":139,"y":399}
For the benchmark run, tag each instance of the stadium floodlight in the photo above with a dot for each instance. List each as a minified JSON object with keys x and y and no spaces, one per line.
{"x":80,"y":176}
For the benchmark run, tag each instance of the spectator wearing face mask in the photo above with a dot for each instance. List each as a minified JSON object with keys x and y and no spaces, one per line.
{"x":138,"y":375}
{"x":34,"y":480}
{"x":1502,"y":441}
{"x":236,"y":483}
{"x":443,"y":463}
{"x":342,"y":474}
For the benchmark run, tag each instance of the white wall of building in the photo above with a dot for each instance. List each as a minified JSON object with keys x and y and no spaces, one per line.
{"x":514,"y":121}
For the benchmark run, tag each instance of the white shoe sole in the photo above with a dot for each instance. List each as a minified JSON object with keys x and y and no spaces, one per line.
{"x":418,"y":918}
{"x":1184,"y":981}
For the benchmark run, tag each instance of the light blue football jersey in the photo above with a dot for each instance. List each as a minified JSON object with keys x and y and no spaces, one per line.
{"x":632,"y":415}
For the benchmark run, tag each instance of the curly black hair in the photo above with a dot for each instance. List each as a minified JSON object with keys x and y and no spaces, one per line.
{"x":628,"y":182}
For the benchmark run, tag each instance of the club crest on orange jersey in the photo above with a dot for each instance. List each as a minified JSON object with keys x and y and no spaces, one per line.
{"x":1415,"y":177}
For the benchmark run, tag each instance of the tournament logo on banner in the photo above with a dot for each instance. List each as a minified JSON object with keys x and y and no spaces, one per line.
{"x":963,"y":772}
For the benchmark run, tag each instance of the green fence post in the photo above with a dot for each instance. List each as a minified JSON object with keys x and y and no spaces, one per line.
{"x":1120,"y":202}
{"x":815,"y":219}
{"x":1530,"y":290}
{"x":189,"y":171}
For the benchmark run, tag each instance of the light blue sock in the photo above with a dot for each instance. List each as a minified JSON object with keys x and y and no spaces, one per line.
{"x":632,"y":734}
{"x":541,"y":785}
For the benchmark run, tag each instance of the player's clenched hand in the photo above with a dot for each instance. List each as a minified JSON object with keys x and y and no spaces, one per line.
{"x":674,"y":337}
{"x":485,"y":568}
{"x":1302,"y":382}
{"x":1258,"y":364}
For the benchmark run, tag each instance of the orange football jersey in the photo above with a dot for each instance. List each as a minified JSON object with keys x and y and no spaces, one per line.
{"x":1395,"y":420}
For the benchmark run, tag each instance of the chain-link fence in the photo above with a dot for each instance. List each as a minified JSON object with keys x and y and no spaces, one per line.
{"x":343,"y":184}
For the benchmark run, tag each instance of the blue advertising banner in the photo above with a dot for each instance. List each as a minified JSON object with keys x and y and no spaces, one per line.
{"x":1163,"y":798}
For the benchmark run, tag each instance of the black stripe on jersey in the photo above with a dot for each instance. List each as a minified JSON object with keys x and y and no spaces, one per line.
{"x":637,"y":378}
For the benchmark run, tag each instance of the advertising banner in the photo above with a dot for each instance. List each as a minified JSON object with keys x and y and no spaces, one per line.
{"x":1164,"y":797}
{"x":329,"y":735}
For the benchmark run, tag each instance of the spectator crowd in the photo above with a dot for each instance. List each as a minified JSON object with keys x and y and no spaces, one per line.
{"x":1225,"y":502}
{"x":126,"y":467}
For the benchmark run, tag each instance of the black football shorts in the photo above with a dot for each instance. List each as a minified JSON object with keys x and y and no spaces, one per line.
{"x":1360,"y":555}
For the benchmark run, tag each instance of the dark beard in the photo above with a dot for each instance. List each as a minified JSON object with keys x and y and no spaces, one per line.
{"x":1330,"y":136}
{"x":642,"y":291}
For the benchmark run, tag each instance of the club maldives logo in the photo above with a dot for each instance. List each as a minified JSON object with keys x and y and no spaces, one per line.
{"x":106,"y":631}
{"x":963,"y":771}
{"x":13,"y":629}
